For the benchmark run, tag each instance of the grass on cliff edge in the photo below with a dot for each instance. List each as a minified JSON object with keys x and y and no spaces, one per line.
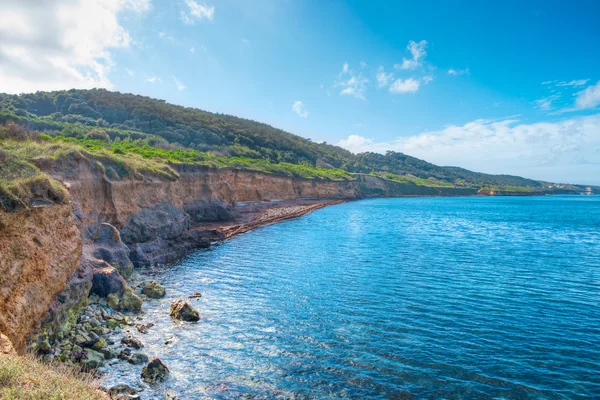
{"x":27,"y":378}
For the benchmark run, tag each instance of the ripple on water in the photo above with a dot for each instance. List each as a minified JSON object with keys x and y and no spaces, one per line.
{"x":392,"y":298}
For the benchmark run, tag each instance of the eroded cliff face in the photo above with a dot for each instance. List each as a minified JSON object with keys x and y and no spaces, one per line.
{"x":97,"y":197}
{"x":47,"y":254}
{"x":39,"y":253}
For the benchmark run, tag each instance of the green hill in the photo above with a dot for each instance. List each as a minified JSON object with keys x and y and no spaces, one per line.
{"x":151,"y":128}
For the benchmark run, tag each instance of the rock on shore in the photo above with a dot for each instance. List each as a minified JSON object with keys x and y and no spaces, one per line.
{"x":183,"y":311}
{"x":155,"y":371}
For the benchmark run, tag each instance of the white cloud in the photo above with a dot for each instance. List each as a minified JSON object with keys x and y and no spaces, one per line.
{"x":192,"y":49}
{"x":351,"y":84}
{"x":427,"y":79}
{"x":299,"y":109}
{"x":546,"y":103}
{"x":356,"y":144}
{"x":130,"y":72}
{"x":458,"y":72}
{"x":589,"y":97}
{"x":383,"y":78}
{"x":153,"y":79}
{"x":575,"y":83}
{"x":563,"y":151}
{"x":166,"y":36}
{"x":62,"y":45}
{"x":409,"y":85}
{"x":180,"y":86}
{"x":417,"y":51}
{"x":197,"y":12}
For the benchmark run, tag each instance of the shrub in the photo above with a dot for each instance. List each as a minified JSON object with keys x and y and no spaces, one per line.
{"x":17,"y":132}
{"x":98,"y":134}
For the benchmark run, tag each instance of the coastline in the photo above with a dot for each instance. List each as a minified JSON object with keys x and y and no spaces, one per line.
{"x":259,"y":214}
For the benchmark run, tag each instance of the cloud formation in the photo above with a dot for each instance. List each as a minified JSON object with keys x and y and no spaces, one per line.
{"x":62,"y":45}
{"x":178,"y":84}
{"x":382,"y":78}
{"x":351,"y":84}
{"x":546,"y":103}
{"x":409,"y":85}
{"x":197,"y":12}
{"x":153,"y":79}
{"x":418,"y":53}
{"x":566,"y":151}
{"x":458,"y":72}
{"x":299,"y":109}
{"x":589,"y":97}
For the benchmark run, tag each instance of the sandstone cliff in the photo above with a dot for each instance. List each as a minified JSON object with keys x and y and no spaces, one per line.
{"x":39,"y":252}
{"x":47,"y":254}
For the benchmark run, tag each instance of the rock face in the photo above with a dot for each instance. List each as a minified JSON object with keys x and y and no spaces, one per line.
{"x":183,"y":311}
{"x":155,"y":371}
{"x":209,"y":211}
{"x":109,"y":247}
{"x":154,"y":290}
{"x":162,"y":221}
{"x":39,"y":252}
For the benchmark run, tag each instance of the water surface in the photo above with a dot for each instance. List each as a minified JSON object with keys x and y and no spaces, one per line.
{"x":492,"y":297}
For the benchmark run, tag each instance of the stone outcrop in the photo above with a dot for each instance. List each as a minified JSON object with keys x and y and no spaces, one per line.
{"x":155,"y":371}
{"x":209,"y":211}
{"x":183,"y":311}
{"x":107,"y":246}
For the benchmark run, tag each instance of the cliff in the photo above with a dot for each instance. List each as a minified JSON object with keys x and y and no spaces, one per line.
{"x":39,"y":253}
{"x":49,"y":254}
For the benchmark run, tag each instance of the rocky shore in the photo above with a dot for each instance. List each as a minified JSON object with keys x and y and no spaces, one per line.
{"x":97,"y":321}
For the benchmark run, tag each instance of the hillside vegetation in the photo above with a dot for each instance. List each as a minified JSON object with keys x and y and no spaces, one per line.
{"x":137,"y":133}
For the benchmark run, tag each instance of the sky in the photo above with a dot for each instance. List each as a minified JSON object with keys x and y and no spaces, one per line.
{"x":500,"y":87}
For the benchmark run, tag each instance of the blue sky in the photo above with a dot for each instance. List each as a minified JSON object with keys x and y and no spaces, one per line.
{"x":492,"y":86}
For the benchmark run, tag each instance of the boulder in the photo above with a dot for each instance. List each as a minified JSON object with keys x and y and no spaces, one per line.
{"x":183,"y":311}
{"x":107,"y":280}
{"x":91,"y":359}
{"x":130,"y":341}
{"x":125,"y":301}
{"x":138,"y":359}
{"x":122,"y":391}
{"x":153,"y":289}
{"x":155,"y":371}
{"x":100,"y":345}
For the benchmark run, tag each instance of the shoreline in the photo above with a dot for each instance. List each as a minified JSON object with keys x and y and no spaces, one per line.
{"x":262,"y":215}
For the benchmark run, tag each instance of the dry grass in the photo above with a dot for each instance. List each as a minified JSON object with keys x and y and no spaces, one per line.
{"x":27,"y":378}
{"x":21,"y":183}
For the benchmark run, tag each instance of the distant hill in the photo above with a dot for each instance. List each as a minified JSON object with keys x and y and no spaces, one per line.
{"x":74,"y":113}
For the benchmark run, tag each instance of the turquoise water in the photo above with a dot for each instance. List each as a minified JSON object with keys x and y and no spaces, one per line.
{"x":492,"y":297}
